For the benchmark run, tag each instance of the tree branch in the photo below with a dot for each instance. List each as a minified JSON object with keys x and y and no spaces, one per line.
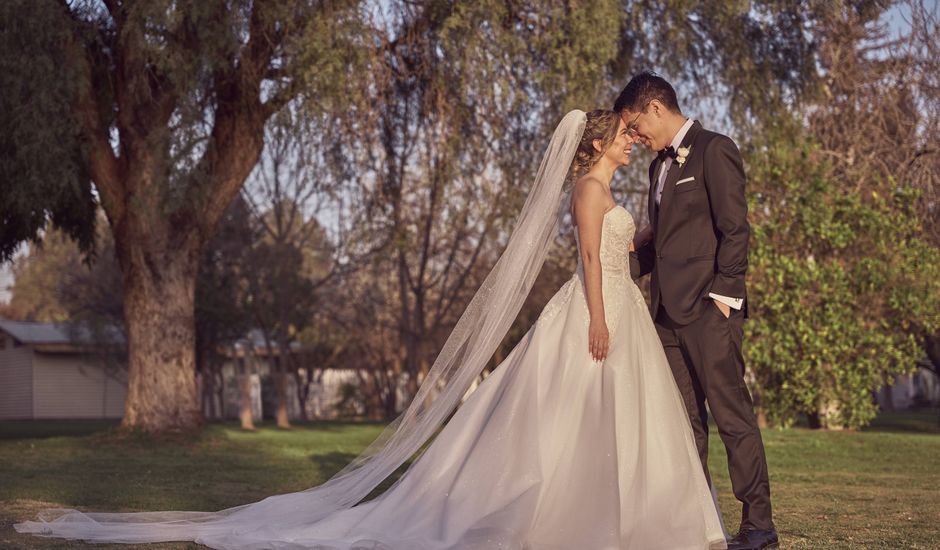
{"x":237,"y":135}
{"x":103,"y":166}
{"x":117,"y":12}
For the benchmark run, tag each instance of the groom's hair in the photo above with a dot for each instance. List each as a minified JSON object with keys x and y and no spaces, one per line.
{"x":643,"y":88}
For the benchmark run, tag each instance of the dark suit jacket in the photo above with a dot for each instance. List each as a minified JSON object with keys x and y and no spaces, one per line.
{"x":700,"y":229}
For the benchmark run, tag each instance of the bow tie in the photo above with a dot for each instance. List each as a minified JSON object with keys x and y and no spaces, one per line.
{"x":668,"y":152}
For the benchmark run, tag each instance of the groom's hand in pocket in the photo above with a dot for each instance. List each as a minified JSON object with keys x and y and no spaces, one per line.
{"x":725,"y":309}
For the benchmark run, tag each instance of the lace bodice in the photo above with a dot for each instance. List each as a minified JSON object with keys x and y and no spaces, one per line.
{"x":617,"y":232}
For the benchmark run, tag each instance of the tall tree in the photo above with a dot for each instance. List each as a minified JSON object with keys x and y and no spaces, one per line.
{"x":169,"y":103}
{"x":294,"y":256}
{"x":222,"y":314}
{"x":465,"y":88}
{"x":468,"y":92}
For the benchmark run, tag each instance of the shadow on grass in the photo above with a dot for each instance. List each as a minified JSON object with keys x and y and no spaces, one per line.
{"x":41,"y":429}
{"x":326,"y":425}
{"x":106,"y":469}
{"x":333,"y":426}
{"x":329,"y":464}
{"x":925,"y":421}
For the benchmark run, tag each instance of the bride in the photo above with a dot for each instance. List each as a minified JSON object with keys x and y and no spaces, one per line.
{"x":579,"y":439}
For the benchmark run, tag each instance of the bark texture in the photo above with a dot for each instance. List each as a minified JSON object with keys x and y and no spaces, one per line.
{"x":161,"y":216}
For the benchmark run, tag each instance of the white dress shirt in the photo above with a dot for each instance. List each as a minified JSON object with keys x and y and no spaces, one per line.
{"x":664,"y":169}
{"x":735,"y":303}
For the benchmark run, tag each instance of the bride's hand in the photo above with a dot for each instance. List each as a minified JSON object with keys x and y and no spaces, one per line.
{"x":598,"y":339}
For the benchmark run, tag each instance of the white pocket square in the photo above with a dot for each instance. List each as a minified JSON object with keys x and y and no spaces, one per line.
{"x":685,"y":180}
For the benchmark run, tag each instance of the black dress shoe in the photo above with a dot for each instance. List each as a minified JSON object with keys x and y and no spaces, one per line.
{"x":754,"y":539}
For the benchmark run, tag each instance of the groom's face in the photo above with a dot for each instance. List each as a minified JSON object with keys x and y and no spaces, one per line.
{"x":644,"y":126}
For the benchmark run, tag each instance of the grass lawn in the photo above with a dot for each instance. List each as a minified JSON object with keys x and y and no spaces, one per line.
{"x":879,"y":488}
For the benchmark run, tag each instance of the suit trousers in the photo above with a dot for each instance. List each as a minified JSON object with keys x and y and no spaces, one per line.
{"x":708,"y":365}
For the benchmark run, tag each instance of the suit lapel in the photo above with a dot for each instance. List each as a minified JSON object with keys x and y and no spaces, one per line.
{"x":651,"y":201}
{"x":675,"y":171}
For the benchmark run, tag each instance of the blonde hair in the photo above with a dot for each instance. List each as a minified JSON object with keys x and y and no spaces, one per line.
{"x":600,"y":124}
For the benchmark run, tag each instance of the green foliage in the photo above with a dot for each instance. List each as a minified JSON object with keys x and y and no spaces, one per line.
{"x":549,"y":52}
{"x":756,"y":55}
{"x":330,"y":56}
{"x":42,"y":177}
{"x":39,"y":277}
{"x":842,"y":285}
{"x":158,"y":76}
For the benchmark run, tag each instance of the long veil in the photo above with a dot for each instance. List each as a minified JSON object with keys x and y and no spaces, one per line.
{"x":466,"y":351}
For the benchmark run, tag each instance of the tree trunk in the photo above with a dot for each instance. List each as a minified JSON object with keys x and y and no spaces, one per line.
{"x":303,"y":378}
{"x":932,"y":348}
{"x":285,"y":365}
{"x":159,"y":312}
{"x":391,"y":402}
{"x":219,"y":401}
{"x":762,"y":422}
{"x":280,"y":384}
{"x":244,"y":410}
{"x":814,"y":420}
{"x":208,"y":385}
{"x":205,"y":394}
{"x":758,"y":404}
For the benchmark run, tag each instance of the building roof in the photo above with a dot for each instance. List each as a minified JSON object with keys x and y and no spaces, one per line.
{"x":38,"y":333}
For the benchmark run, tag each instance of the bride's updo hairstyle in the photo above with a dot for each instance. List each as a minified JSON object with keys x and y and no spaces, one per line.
{"x":600,"y":124}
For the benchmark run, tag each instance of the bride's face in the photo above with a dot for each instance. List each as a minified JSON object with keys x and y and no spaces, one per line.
{"x":619,"y":150}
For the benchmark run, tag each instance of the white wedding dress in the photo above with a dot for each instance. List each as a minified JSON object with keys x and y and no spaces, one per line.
{"x":552,"y":451}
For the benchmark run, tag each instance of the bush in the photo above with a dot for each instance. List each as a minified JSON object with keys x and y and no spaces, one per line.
{"x":842,"y":284}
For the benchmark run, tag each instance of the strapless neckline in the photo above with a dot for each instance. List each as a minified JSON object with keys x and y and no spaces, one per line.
{"x":612,"y":208}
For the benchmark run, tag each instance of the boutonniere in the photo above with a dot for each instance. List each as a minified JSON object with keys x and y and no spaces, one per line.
{"x":682,"y":154}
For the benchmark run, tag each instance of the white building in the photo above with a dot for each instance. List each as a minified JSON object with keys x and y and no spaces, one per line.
{"x":922,"y":387}
{"x":45,"y":373}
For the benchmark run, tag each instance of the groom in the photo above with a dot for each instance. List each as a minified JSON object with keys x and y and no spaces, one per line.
{"x":696,"y":250}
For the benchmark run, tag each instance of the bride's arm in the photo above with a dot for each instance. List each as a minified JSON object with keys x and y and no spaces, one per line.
{"x":590,"y":205}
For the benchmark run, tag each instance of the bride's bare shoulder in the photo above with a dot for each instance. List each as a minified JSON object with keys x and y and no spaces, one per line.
{"x":588,"y":181}
{"x":588,"y":188}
